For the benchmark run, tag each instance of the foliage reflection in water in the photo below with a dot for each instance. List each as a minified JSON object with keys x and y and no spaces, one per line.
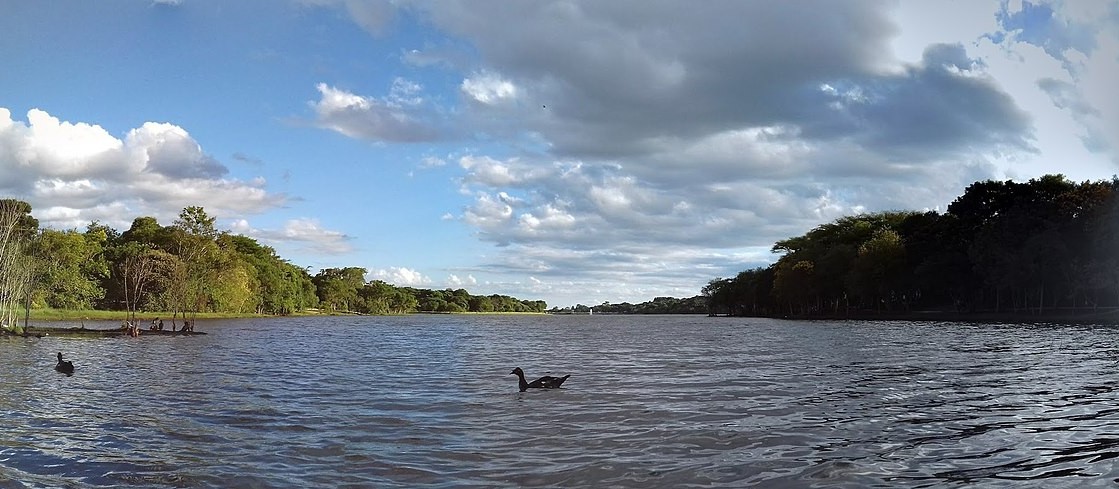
{"x":671,"y":401}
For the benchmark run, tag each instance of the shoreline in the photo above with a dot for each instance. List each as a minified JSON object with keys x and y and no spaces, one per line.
{"x":1109,"y":316}
{"x":41,"y":332}
{"x":91,"y":319}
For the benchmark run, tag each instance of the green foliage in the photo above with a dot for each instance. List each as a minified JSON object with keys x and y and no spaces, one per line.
{"x":659,"y":305}
{"x":1029,"y":247}
{"x":190,"y":268}
{"x":70,"y":269}
{"x":338,"y":288}
{"x":194,"y":220}
{"x":17,"y":267}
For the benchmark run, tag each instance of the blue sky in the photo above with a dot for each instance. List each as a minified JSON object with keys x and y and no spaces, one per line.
{"x":574,"y":151}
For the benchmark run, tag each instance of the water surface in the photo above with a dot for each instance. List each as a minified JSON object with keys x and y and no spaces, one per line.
{"x":653,"y":401}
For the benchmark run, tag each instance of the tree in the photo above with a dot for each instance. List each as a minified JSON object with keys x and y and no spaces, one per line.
{"x":72,"y":265}
{"x":720,"y":295}
{"x":139,"y":267}
{"x":792,"y":284}
{"x":17,"y":229}
{"x":147,"y":230}
{"x":481,"y":303}
{"x":880,"y":267}
{"x":194,"y":220}
{"x":234,"y":288}
{"x":194,"y":240}
{"x":338,"y":287}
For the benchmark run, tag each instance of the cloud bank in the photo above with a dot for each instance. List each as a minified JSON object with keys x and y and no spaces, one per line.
{"x":74,"y":173}
{"x":660,"y":142}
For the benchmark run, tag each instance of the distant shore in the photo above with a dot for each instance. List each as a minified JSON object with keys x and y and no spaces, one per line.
{"x":1085,"y":316}
{"x":101,"y":315}
{"x":76,"y":317}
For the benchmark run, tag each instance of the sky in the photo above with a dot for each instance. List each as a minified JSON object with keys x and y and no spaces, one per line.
{"x":576,"y":152}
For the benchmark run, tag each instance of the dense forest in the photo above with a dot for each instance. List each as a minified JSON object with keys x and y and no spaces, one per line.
{"x":660,"y":305}
{"x":187,"y":268}
{"x":1043,"y":247}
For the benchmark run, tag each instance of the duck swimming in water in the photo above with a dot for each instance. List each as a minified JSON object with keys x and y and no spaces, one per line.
{"x":545,"y":382}
{"x":64,"y":366}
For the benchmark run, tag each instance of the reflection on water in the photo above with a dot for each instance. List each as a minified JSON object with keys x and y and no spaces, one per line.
{"x":652,"y":401}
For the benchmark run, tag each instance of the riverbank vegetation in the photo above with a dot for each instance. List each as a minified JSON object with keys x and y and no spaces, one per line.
{"x":659,"y":305}
{"x":1046,"y":247}
{"x":189,"y":268}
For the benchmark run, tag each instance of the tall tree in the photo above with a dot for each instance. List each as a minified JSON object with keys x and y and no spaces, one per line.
{"x":338,"y":287}
{"x":201,"y":258}
{"x":71,"y":269}
{"x":139,"y":267}
{"x":17,"y":229}
{"x":195,"y":221}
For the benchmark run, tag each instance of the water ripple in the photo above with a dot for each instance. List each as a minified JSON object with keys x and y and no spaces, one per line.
{"x":652,"y":401}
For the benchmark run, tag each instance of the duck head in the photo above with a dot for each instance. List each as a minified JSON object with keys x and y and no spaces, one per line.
{"x":516,"y":371}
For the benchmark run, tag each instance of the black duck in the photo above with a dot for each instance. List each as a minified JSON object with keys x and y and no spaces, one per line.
{"x":545,"y":382}
{"x":64,"y":366}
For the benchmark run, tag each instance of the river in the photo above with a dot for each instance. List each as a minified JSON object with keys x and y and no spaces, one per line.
{"x":653,"y":401}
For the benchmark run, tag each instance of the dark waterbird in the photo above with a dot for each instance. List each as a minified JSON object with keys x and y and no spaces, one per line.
{"x":64,"y":366}
{"x":545,"y":382}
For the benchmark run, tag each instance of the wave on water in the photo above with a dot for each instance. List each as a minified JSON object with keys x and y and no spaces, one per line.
{"x":653,"y":401}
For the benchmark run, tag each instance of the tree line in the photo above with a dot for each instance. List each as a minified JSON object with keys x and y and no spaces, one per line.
{"x":190,"y":267}
{"x":1046,"y":246}
{"x":345,"y":289}
{"x":659,"y":305}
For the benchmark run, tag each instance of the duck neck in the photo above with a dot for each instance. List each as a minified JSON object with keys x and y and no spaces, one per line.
{"x":523,"y":383}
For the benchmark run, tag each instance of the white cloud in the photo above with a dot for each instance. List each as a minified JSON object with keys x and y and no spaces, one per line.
{"x":48,"y":147}
{"x":311,"y":232}
{"x":926,"y":22}
{"x":402,"y":277}
{"x":375,"y":16}
{"x":305,"y":234}
{"x":679,"y":141}
{"x":432,"y":162}
{"x":488,"y":212}
{"x":547,"y":218}
{"x":489,"y":88}
{"x":1054,"y":59}
{"x":81,"y":173}
{"x":488,"y":171}
{"x":456,"y":282}
{"x":400,"y":117}
{"x":1097,"y":77}
{"x":170,"y":151}
{"x":743,"y":153}
{"x":405,"y":92}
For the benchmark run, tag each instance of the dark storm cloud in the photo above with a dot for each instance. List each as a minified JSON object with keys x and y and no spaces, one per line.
{"x":182,"y":158}
{"x":616,"y":76}
{"x":943,"y":107}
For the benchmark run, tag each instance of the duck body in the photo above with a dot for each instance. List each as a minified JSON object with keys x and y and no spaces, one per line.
{"x":545,"y":382}
{"x":64,"y":366}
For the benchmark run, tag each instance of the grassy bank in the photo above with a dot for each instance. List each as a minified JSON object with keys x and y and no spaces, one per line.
{"x":97,"y":315}
{"x":75,"y":315}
